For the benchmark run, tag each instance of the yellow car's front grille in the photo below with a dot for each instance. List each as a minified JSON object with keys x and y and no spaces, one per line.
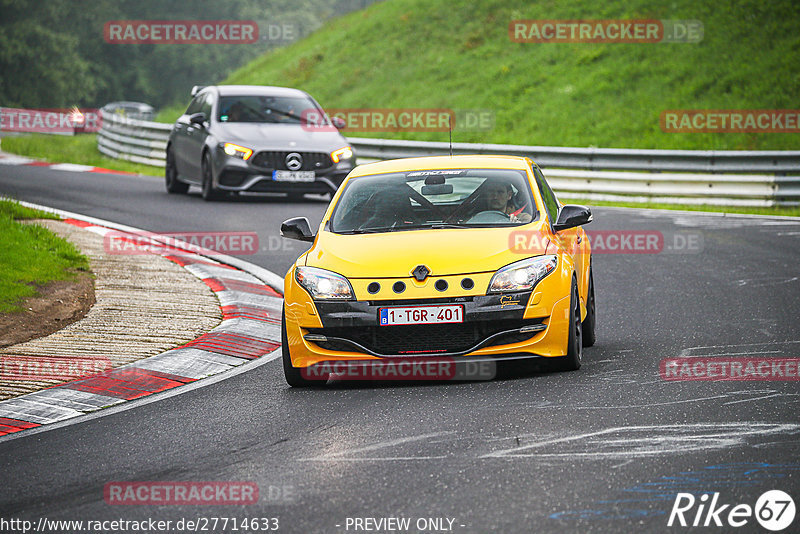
{"x":424,"y":339}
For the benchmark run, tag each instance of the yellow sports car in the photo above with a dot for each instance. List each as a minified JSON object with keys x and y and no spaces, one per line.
{"x":469,"y":258}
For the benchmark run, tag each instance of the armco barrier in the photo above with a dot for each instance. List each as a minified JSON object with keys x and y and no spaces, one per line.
{"x":702,"y":161}
{"x":728,"y":178}
{"x":133,"y":140}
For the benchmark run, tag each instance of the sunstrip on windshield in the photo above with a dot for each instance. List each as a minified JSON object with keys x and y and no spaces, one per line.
{"x":436,"y":173}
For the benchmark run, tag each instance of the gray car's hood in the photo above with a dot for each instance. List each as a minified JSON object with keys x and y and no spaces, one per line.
{"x":266,"y":136}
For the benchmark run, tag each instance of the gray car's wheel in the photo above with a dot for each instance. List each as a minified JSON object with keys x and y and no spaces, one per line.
{"x":572,"y":361}
{"x":209,"y":191}
{"x":171,"y":175}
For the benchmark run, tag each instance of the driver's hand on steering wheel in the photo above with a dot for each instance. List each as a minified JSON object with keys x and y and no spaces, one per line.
{"x":521,"y":218}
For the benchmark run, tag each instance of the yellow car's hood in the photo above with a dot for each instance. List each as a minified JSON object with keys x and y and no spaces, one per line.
{"x":444,"y":251}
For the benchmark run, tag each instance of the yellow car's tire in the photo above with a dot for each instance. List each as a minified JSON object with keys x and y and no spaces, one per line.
{"x":293,"y":375}
{"x":591,"y":315}
{"x":572,"y":360}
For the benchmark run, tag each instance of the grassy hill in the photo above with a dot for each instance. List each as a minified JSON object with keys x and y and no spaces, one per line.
{"x":457,"y":54}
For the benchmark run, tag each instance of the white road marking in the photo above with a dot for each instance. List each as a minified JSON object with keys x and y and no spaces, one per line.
{"x":343,"y":455}
{"x":768,"y":396}
{"x":71,"y":167}
{"x":6,"y":159}
{"x":764,"y":282}
{"x":642,"y":441}
{"x":687,"y":352}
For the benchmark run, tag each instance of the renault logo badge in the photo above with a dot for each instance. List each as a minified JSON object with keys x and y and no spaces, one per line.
{"x":420,"y":272}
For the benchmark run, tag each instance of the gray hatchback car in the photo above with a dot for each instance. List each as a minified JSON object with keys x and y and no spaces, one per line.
{"x":256,"y":139}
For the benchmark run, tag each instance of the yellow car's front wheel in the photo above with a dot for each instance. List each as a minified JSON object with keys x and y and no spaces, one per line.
{"x":572,"y":360}
{"x":294,"y":376}
{"x":590,"y":322}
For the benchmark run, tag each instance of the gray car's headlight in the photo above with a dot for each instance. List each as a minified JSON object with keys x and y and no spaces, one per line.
{"x":342,"y":154}
{"x":322,"y":284}
{"x":522,"y":275}
{"x":237,"y":151}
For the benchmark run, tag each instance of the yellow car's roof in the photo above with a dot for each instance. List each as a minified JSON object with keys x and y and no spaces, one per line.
{"x":440,"y":162}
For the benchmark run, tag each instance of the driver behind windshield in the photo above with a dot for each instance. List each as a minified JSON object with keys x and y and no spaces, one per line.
{"x":499,"y":196}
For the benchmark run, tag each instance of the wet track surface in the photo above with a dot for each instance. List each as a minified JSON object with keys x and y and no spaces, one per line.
{"x":602,"y":449}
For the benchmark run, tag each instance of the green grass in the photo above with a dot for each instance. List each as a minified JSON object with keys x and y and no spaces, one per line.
{"x":774,"y":211}
{"x":457,"y":54}
{"x":19,"y":212}
{"x":81,"y":149}
{"x":32,"y":256}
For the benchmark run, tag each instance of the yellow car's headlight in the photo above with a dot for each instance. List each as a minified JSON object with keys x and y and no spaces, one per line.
{"x":322,"y":284}
{"x":237,"y":151}
{"x":342,"y":153}
{"x":522,"y":275}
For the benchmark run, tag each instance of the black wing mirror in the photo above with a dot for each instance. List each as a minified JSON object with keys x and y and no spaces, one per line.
{"x":197,"y":118}
{"x":297,"y":228}
{"x":572,"y":215}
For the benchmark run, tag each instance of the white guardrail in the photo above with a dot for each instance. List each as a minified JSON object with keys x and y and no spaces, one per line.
{"x":728,"y":178}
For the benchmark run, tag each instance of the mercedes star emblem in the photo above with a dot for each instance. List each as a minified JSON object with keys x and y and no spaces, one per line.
{"x":294,"y":161}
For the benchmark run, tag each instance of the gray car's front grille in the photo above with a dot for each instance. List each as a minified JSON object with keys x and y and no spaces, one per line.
{"x":273,"y":159}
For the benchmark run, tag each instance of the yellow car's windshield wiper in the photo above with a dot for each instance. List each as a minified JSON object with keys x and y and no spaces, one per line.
{"x":436,"y":226}
{"x":365,"y":231}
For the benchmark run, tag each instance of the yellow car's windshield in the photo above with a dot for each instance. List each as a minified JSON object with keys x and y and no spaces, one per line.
{"x":448,"y":198}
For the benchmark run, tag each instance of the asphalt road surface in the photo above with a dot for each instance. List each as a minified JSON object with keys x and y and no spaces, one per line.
{"x":603,"y":449}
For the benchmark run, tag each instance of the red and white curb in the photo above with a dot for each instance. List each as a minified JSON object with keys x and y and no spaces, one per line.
{"x":250,"y":329}
{"x":13,"y":159}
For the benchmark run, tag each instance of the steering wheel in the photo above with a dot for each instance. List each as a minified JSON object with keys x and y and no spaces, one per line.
{"x":489,"y":216}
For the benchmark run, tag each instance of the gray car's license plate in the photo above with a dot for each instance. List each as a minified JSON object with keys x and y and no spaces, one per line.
{"x":293,"y":176}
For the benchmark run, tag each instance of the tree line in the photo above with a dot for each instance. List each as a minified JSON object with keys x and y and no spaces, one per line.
{"x":53,"y":53}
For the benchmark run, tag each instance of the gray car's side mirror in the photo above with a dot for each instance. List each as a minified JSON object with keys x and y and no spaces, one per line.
{"x":297,"y":228}
{"x":572,"y":215}
{"x":197,"y":118}
{"x":338,"y":123}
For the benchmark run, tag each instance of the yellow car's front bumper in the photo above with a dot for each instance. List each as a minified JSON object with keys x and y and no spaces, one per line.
{"x":499,"y":317}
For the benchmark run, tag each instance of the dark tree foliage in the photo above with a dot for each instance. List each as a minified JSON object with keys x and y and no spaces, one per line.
{"x":53,"y":53}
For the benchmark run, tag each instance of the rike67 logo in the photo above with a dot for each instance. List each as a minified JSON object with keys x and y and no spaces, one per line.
{"x":774,"y":510}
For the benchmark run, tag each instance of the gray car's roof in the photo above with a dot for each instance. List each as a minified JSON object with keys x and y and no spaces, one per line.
{"x":266,"y":90}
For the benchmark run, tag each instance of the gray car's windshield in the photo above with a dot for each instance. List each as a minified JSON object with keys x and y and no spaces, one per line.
{"x":266,"y":109}
{"x":451,"y":198}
